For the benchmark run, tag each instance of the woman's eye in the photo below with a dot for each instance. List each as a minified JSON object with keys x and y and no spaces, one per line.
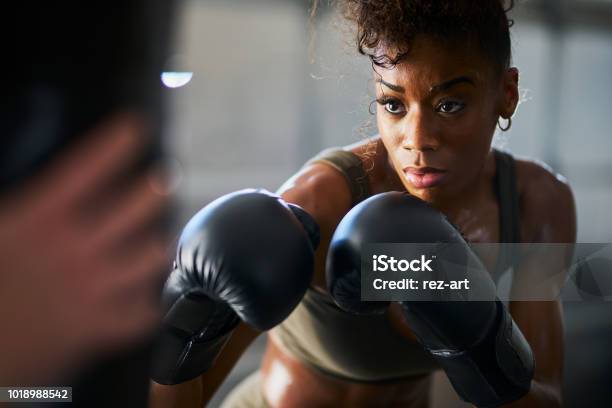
{"x":392,"y":106}
{"x":450,"y":107}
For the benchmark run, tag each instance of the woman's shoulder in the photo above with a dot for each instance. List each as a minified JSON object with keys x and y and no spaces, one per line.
{"x":321,"y":190}
{"x":547,"y":203}
{"x":324,"y":190}
{"x":375,"y":161}
{"x":370,"y":151}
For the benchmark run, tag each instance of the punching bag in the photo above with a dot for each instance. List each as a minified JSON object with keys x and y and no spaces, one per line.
{"x":67,"y":66}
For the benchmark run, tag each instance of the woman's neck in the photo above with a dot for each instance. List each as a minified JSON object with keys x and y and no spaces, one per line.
{"x":474,"y":195}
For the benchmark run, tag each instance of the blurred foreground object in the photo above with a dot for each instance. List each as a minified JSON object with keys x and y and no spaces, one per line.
{"x":84,"y":240}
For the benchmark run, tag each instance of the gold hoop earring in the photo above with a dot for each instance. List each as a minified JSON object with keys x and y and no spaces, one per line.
{"x":507,"y":127}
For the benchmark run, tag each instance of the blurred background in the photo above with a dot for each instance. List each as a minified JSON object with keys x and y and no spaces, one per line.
{"x":254,"y":95}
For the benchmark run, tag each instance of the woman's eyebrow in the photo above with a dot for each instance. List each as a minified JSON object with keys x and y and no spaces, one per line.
{"x":395,"y":88}
{"x":446,"y":85}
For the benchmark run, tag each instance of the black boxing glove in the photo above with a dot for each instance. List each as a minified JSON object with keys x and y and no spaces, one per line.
{"x":483,"y":352}
{"x":246,"y":256}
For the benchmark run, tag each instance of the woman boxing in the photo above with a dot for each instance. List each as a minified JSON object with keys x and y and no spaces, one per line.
{"x":443,"y":84}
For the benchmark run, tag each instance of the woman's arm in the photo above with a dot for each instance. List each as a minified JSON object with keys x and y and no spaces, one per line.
{"x":549,"y":204}
{"x":542,"y":325}
{"x":322,"y":192}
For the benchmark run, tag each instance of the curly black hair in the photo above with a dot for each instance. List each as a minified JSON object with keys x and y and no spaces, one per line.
{"x":394,"y":24}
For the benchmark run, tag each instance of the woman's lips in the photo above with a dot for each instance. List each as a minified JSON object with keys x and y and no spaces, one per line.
{"x":424,"y":177}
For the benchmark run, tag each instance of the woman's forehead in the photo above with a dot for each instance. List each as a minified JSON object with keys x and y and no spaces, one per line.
{"x":429,"y":63}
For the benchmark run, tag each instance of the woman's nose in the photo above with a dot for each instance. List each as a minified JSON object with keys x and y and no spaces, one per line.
{"x":419,"y":133}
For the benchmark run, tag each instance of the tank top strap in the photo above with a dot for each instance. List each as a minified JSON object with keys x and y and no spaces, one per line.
{"x":507,"y":194}
{"x":351,"y":167}
{"x":509,"y":211}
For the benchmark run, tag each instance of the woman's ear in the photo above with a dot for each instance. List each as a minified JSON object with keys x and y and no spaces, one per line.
{"x":510,"y":92}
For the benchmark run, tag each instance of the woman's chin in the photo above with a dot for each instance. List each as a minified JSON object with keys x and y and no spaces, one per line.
{"x":432,"y":195}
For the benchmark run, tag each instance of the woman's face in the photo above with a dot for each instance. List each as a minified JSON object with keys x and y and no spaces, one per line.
{"x":436,"y":114}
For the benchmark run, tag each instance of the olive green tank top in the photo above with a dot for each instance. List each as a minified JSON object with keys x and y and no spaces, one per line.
{"x":368,"y":348}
